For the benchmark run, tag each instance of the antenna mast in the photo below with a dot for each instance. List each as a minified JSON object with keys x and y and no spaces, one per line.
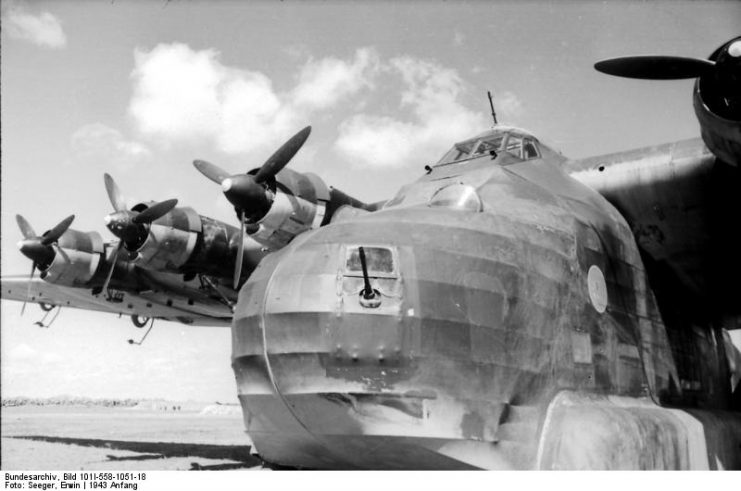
{"x":491,"y":103}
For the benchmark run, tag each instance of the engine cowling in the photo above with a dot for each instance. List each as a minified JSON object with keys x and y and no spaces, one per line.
{"x":717,"y":103}
{"x":78,"y":256}
{"x":170,"y":240}
{"x":184,"y":242}
{"x":301,"y":202}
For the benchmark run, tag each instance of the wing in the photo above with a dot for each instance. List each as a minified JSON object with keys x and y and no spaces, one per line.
{"x":168,"y":301}
{"x":684,"y":208}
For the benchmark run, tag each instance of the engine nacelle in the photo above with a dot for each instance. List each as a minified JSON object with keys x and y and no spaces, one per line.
{"x":216,"y":251}
{"x":78,"y":256}
{"x":288,"y":217}
{"x":302,"y":201}
{"x":184,"y":242}
{"x":717,"y":103}
{"x":170,"y":241}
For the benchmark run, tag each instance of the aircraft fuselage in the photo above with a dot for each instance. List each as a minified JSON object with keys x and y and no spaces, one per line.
{"x":506,"y":292}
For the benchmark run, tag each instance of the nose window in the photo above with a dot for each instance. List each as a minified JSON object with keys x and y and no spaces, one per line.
{"x":378,"y":259}
{"x":457,"y":197}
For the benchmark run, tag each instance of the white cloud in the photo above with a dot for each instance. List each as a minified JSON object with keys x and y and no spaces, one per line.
{"x":437,"y":118}
{"x":100,"y":144}
{"x":378,"y":140}
{"x":43,"y":29}
{"x":23,"y":353}
{"x":181,"y":93}
{"x":508,"y":107}
{"x":322,"y":83}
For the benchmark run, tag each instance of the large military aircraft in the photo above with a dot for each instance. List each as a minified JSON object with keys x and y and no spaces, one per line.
{"x":510,"y":309}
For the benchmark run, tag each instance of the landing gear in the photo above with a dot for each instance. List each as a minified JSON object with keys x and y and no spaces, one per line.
{"x":48,"y":308}
{"x":140,"y":322}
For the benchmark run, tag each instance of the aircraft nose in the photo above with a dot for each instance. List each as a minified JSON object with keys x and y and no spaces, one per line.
{"x":446,"y":345}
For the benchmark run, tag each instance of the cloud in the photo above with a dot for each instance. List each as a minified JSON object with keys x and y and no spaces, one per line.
{"x":181,"y":94}
{"x":100,"y":144}
{"x":25,"y":354}
{"x":22,"y":352}
{"x":459,"y":38}
{"x":42,"y":30}
{"x":508,"y":106}
{"x":324,"y":82}
{"x":431,"y":95}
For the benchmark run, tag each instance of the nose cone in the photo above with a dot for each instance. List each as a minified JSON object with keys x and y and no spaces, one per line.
{"x":36,"y":251}
{"x":116,"y":222}
{"x":244,"y":193}
{"x":120,"y":225}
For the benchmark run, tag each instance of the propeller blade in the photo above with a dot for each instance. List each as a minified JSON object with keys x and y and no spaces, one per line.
{"x":53,"y":235}
{"x":155,"y":211}
{"x":216,"y":174}
{"x":240,"y":251}
{"x":655,"y":67}
{"x":25,"y":227}
{"x":28,"y":288}
{"x":114,"y":194}
{"x":113,"y":266}
{"x":282,"y":156}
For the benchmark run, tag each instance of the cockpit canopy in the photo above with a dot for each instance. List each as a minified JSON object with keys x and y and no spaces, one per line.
{"x":516,"y":143}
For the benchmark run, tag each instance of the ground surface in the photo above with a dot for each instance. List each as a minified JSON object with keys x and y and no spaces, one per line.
{"x":94,"y":438}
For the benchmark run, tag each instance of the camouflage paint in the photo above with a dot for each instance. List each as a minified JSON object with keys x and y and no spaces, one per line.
{"x":488,"y":317}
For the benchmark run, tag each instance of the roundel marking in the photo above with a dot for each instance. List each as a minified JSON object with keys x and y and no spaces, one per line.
{"x":597,"y":289}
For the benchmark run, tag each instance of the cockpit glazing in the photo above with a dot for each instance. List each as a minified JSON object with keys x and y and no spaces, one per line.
{"x":518,"y":146}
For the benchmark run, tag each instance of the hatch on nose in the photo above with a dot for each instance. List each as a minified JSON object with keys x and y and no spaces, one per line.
{"x":374,"y":270}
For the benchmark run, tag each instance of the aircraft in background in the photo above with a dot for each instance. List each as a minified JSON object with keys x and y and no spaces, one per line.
{"x":510,"y":309}
{"x":176,"y":265}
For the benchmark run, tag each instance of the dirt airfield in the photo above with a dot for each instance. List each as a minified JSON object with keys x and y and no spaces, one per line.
{"x":145,"y":437}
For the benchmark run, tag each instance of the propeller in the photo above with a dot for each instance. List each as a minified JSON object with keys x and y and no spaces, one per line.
{"x":131,"y":226}
{"x":250,"y":193}
{"x":39,"y":248}
{"x":654,"y":67}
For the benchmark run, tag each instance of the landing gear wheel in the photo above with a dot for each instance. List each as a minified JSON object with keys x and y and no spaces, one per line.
{"x":139,"y":321}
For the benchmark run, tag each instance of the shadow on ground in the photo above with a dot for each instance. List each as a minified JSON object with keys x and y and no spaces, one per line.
{"x":163,"y":450}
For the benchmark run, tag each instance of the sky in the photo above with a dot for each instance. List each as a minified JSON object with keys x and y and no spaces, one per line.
{"x":141,"y":89}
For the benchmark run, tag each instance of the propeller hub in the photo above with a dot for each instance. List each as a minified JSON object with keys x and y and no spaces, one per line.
{"x":735,"y":49}
{"x":245,"y":194}
{"x":120,"y":225}
{"x":37,"y":252}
